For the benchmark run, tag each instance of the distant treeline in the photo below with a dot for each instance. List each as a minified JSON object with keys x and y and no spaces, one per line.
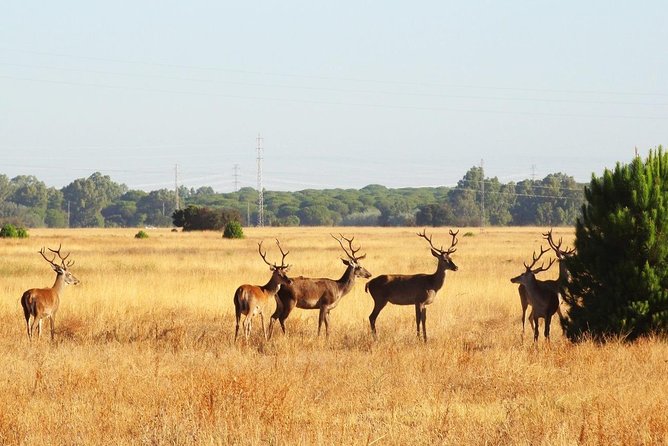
{"x":97,"y":201}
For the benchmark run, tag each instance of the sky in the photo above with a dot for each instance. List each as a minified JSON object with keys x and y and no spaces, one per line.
{"x":343,"y":94}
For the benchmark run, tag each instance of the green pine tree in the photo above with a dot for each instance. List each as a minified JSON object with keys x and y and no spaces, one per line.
{"x":619,"y":283}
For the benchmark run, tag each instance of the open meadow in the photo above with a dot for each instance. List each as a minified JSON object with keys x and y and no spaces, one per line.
{"x":145,"y":354}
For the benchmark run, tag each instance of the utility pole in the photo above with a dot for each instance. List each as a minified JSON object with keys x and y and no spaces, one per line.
{"x":177,"y":204}
{"x":236,"y":178}
{"x":260,"y":198}
{"x":482,"y":202}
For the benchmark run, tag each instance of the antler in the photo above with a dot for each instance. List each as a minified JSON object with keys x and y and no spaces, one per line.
{"x":535,"y":259}
{"x":284,"y":254}
{"x":557,"y":247}
{"x":264,"y":256}
{"x":450,"y":250}
{"x":353,"y":251}
{"x":57,"y":252}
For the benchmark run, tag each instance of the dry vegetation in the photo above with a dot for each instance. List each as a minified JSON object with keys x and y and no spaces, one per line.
{"x":144,"y":351}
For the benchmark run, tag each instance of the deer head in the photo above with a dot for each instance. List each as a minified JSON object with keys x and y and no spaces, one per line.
{"x":280,"y":272}
{"x":353,"y":259}
{"x":62,"y":269}
{"x":530,"y":270}
{"x":443,"y":255}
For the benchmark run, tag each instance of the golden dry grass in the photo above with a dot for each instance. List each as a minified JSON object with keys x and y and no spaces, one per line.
{"x":144,"y":351}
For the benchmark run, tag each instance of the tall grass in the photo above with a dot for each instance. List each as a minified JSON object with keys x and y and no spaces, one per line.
{"x":144,"y":350}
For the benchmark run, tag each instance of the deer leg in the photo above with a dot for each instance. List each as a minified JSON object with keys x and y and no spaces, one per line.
{"x":264,"y":331}
{"x":377,"y":307}
{"x":51,"y":323}
{"x":535,"y":327}
{"x":548,"y":321}
{"x":39,"y":329}
{"x":247,"y":325}
{"x":321,"y":318}
{"x":28,"y":327}
{"x":236,"y":329}
{"x":418,"y":318}
{"x":327,"y":323}
{"x":287,"y":308}
{"x":275,"y":316}
{"x":423,"y":313}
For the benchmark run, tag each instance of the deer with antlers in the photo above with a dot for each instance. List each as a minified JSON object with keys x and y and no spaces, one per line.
{"x":416,"y":289}
{"x":250,"y":300}
{"x":320,"y":294}
{"x":542,"y":295}
{"x":564,"y":275}
{"x":40,"y":303}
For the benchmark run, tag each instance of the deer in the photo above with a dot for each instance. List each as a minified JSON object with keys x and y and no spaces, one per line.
{"x":251,"y":300}
{"x":41,"y":303}
{"x":542,"y":295}
{"x":320,"y":293}
{"x":564,"y":275}
{"x":416,"y":289}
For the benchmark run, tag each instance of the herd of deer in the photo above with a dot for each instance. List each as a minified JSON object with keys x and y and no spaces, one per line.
{"x":324,"y":294}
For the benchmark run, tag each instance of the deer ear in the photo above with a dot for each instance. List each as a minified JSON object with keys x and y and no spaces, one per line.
{"x":435,"y":253}
{"x":345,"y":262}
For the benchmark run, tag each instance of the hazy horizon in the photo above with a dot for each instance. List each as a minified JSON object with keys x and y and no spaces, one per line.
{"x":344,"y":95}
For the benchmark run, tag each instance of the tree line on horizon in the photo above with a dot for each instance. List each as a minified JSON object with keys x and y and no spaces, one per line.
{"x":98,"y":201}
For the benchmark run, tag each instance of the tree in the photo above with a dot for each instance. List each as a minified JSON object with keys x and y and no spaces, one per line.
{"x":88,"y":196}
{"x":197,"y":218}
{"x":619,"y":284}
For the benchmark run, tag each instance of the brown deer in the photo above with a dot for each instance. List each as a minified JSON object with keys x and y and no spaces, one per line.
{"x":321,"y":294}
{"x":542,"y":295}
{"x":417,"y":289}
{"x":250,"y":300}
{"x":40,"y":303}
{"x":564,"y":275}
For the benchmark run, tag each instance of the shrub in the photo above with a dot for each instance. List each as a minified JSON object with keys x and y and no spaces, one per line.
{"x":10,"y":231}
{"x":141,"y":234}
{"x":233,"y":230}
{"x":619,"y":284}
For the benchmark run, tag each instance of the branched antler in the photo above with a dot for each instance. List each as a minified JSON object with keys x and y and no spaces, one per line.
{"x":449,"y":251}
{"x":351,"y":255}
{"x":557,"y":246}
{"x":57,"y":252}
{"x":535,"y":260}
{"x":264,"y":256}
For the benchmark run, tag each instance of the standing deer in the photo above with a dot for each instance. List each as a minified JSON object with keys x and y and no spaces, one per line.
{"x":542,"y":295}
{"x":417,"y":289}
{"x":564,"y":275}
{"x":40,"y":303}
{"x":321,"y":294}
{"x":250,"y":300}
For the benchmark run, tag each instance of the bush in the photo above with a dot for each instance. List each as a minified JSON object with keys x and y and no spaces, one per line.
{"x":233,"y":230}
{"x":619,"y":276}
{"x":10,"y":231}
{"x":141,"y":234}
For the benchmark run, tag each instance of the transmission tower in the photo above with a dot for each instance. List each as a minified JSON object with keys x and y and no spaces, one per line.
{"x":177,"y":204}
{"x":482,"y":201}
{"x":236,"y":178}
{"x":260,"y":198}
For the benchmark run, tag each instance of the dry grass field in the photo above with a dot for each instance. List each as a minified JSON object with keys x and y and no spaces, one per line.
{"x":144,"y":350}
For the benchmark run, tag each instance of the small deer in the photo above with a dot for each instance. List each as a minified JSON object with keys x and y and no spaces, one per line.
{"x":417,"y":289}
{"x":40,"y":303}
{"x":321,"y":294}
{"x":250,"y":300}
{"x":542,"y":295}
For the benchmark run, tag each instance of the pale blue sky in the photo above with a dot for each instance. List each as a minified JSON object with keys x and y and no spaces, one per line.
{"x":344,"y":93}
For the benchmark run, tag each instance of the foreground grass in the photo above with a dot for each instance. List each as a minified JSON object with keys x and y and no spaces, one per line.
{"x":144,"y":351}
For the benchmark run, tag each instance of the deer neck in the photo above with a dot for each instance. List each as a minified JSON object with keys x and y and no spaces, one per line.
{"x":272,"y":287}
{"x":347,"y":280}
{"x":438,"y":278}
{"x":563,"y":272}
{"x":59,"y":284}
